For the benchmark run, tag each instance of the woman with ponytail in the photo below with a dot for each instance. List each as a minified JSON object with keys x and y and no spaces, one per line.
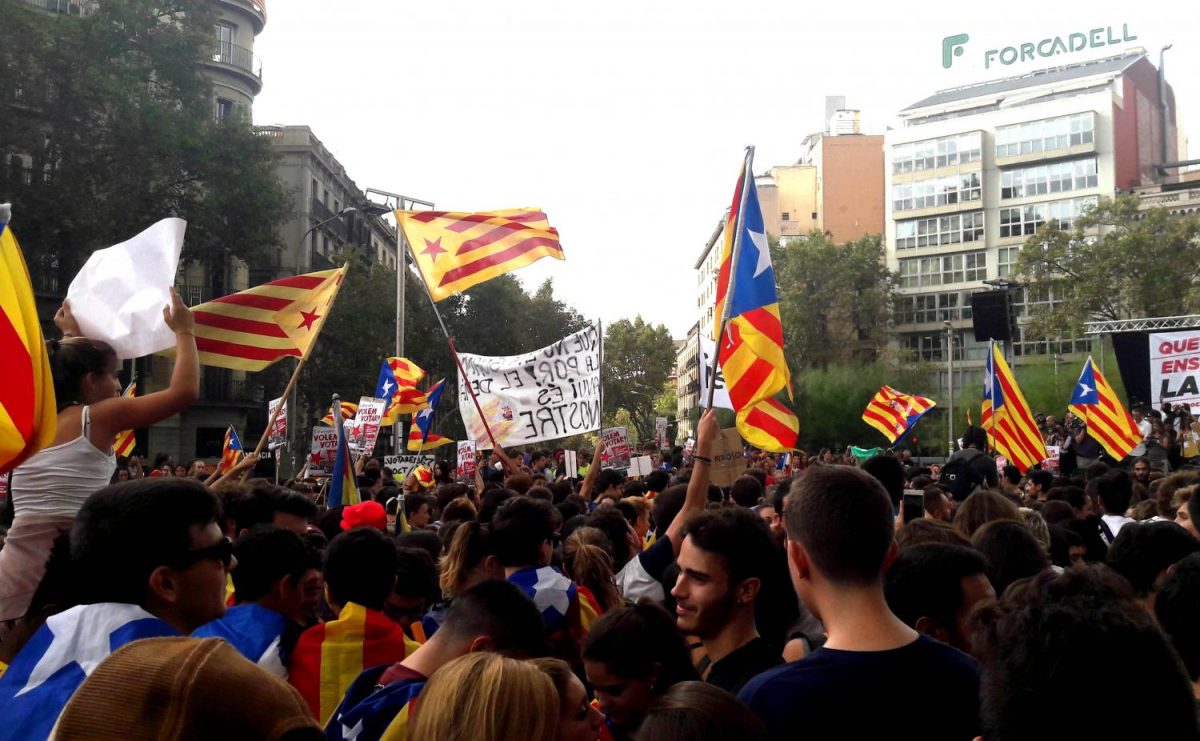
{"x":587,"y":562}
{"x":48,"y":489}
{"x":469,"y":560}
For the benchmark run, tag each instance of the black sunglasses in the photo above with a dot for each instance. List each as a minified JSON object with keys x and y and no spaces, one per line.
{"x":222,"y":551}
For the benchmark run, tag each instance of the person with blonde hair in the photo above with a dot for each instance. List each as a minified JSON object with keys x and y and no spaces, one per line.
{"x":487,"y":697}
{"x":587,"y":562}
{"x":578,"y":719}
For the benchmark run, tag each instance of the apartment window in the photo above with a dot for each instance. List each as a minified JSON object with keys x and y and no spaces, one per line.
{"x":1006,"y":260}
{"x":324,"y":245}
{"x":814,"y":215}
{"x":224,"y":109}
{"x":316,"y":190}
{"x":936,"y":192}
{"x":785,"y":216}
{"x":226,"y":37}
{"x":939,"y":230}
{"x":947,"y":151}
{"x":1024,"y":220}
{"x":337,"y":206}
{"x":1047,"y":135}
{"x":1059,"y":177}
{"x":961,"y":267}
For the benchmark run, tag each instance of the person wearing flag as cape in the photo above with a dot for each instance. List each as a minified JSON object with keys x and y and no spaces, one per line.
{"x":50,"y":486}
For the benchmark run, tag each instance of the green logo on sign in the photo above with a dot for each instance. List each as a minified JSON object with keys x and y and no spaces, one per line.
{"x":952,"y":46}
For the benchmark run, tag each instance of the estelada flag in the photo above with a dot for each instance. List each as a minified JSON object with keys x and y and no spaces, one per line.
{"x":751,"y":343}
{"x":328,"y":657}
{"x":1006,"y":415}
{"x":343,"y":486}
{"x":419,"y":436}
{"x":349,"y":410}
{"x":254,"y":328}
{"x":1108,"y":421}
{"x":231,"y":451}
{"x":28,"y":412}
{"x":456,"y":250}
{"x":398,"y":383}
{"x":125,"y":441}
{"x":894,"y":412}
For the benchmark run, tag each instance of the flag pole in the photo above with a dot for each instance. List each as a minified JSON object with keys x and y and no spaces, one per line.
{"x":453,"y":349}
{"x":747,"y":179}
{"x":600,"y":362}
{"x":262,"y":441}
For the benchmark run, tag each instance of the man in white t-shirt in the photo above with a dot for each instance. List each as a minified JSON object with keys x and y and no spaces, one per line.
{"x":1114,"y":490}
{"x":1144,"y":428}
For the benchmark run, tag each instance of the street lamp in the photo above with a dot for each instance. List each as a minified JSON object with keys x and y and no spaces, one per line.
{"x":402,"y":203}
{"x":950,"y":379}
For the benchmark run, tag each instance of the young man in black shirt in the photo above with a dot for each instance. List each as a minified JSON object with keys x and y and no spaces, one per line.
{"x":722,"y":563}
{"x":840,"y":524}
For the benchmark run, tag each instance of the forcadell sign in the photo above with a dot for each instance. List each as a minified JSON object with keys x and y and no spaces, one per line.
{"x":955,"y":46}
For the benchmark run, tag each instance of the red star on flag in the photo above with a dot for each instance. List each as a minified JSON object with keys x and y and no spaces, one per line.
{"x":309,"y":318}
{"x":434,"y":248}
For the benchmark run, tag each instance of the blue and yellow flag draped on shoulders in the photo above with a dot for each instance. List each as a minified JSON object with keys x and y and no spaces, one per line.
{"x":751,"y":340}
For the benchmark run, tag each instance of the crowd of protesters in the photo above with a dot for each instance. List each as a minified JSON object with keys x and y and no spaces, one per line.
{"x":814,"y":597}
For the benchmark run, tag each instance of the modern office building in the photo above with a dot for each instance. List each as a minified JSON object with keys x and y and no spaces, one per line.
{"x":975,"y":170}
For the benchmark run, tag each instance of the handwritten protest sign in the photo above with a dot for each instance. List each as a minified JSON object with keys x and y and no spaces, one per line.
{"x":278,"y":437}
{"x":402,"y":465}
{"x":546,"y":394}
{"x":708,"y":349}
{"x":616,"y":448}
{"x":366,"y":424}
{"x":1052,"y":462}
{"x":729,"y":462}
{"x":323,"y":450}
{"x":660,"y":432}
{"x":466,"y":460}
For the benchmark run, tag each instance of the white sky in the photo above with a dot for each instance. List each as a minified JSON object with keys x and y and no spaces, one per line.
{"x":625,"y":120}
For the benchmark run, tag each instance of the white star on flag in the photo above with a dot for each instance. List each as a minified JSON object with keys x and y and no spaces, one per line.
{"x":764,"y":252}
{"x":1087,"y":391}
{"x":549,"y":591}
{"x":387,"y":389}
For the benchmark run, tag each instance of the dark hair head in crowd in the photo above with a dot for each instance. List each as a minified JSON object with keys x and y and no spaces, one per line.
{"x":611,"y":522}
{"x":267,"y":504}
{"x":1114,"y":490}
{"x":416,"y":586}
{"x":360,"y":567}
{"x":926,"y":530}
{"x":746,"y":491}
{"x":491,"y":501}
{"x":1048,"y":641}
{"x":124,"y":534}
{"x":266,"y":555}
{"x":890,"y":473}
{"x":699,"y":711}
{"x":426,"y":540}
{"x":657,"y":481}
{"x":843,"y":519}
{"x":932,"y":588}
{"x":1011,"y":552}
{"x":1177,"y":607}
{"x":521,"y":532}
{"x":72,"y":361}
{"x":503,"y":614}
{"x":607,"y":479}
{"x":982,"y":507}
{"x":666,"y":506}
{"x":1143,"y":552}
{"x":1012,"y":474}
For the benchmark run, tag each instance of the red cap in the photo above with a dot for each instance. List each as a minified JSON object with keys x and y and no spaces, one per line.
{"x":367,"y":514}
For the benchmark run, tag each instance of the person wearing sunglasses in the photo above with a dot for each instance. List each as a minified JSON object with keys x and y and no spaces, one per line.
{"x":147,"y":559}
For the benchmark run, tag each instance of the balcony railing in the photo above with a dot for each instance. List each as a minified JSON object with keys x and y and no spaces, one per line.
{"x":66,"y":7}
{"x":238,"y":56}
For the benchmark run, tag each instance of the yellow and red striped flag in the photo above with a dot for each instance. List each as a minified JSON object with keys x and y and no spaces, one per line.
{"x":28,"y":411}
{"x":433,"y":441}
{"x":894,"y":412}
{"x":1006,"y":415}
{"x":405,"y":397}
{"x":751,"y":345}
{"x":349,"y":409}
{"x":456,"y":250}
{"x":1108,"y":421}
{"x":254,"y":328}
{"x":126,"y":440}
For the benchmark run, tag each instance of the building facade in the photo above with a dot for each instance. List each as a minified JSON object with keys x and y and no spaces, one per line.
{"x":687,"y":383}
{"x":233,"y":68}
{"x":976,"y":170}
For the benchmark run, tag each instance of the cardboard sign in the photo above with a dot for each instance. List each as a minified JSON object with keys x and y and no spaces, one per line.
{"x":640,"y":465}
{"x":1052,"y":461}
{"x":708,"y":350}
{"x":616,"y":448}
{"x":729,"y":460}
{"x":366,"y":424}
{"x":278,"y":437}
{"x":546,"y":394}
{"x":402,"y":465}
{"x":1175,"y":368}
{"x":466,"y":460}
{"x":323,"y":450}
{"x":571,"y":464}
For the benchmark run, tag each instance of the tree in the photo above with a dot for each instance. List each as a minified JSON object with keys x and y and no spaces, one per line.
{"x":638,"y":357}
{"x":830,"y":402}
{"x":1114,"y":262}
{"x":834,"y":300}
{"x":110,"y":128}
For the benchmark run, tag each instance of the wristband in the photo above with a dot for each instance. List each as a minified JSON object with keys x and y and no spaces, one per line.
{"x":702,"y":459}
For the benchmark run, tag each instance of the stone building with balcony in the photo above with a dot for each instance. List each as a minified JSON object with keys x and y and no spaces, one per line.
{"x":233,"y":68}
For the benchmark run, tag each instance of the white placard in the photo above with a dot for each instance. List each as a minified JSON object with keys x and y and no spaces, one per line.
{"x":366,"y":424}
{"x":119,"y":294}
{"x":640,"y":465}
{"x":546,"y":394}
{"x":278,"y":437}
{"x":466,"y":460}
{"x":570,"y":464}
{"x":402,"y":465}
{"x":660,"y":432}
{"x":1175,"y":369}
{"x":616,"y":448}
{"x":323,"y":450}
{"x":708,"y":349}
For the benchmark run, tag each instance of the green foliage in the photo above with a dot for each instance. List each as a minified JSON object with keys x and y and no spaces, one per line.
{"x":117,"y":116}
{"x":830,"y":402}
{"x":638,"y":357}
{"x":1116,"y":262}
{"x":834,"y":300}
